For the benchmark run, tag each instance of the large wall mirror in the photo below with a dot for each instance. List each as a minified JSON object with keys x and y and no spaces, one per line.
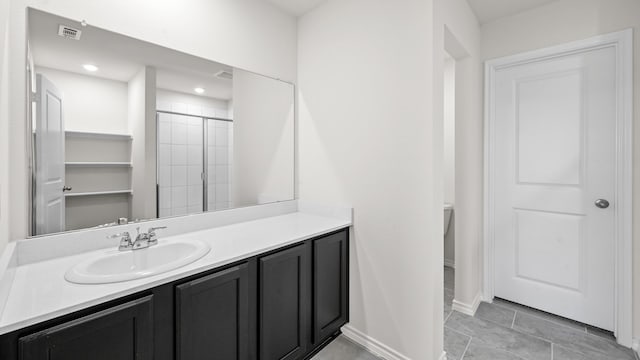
{"x":124,"y":130}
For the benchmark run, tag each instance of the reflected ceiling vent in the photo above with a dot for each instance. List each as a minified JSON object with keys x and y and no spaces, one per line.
{"x":69,"y":32}
{"x":223,"y":74}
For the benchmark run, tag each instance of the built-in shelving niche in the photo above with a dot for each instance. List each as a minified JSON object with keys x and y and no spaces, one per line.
{"x":98,"y":170}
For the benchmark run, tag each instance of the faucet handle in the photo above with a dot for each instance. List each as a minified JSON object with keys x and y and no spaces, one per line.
{"x":125,"y":241}
{"x":153,"y":229}
{"x":152,"y":234}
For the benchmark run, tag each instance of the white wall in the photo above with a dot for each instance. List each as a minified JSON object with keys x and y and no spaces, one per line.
{"x":249,"y":34}
{"x":449,"y":162}
{"x":91,"y":104}
{"x":459,"y":35}
{"x":367,"y":137}
{"x":449,"y":165}
{"x":196,"y":105}
{"x":263,"y":139}
{"x":142,"y":127}
{"x":570,"y":20}
{"x":4,"y":124}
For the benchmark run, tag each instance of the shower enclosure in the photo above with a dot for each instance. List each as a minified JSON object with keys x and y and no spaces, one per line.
{"x":194,"y":163}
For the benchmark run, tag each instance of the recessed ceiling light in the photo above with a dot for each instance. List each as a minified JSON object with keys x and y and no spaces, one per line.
{"x":90,"y":67}
{"x":199,"y":90}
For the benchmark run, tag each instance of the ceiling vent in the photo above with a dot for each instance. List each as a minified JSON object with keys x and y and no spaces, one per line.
{"x":69,"y":32}
{"x":223,"y":74}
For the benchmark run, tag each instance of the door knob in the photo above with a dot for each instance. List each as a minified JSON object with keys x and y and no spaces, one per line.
{"x":602,"y":203}
{"x":66,"y":188}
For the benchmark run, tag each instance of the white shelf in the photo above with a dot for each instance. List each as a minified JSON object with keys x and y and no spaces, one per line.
{"x":97,"y":164}
{"x":99,"y":136}
{"x":94,"y":193}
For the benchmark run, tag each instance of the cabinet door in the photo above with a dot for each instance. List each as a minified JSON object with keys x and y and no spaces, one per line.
{"x":212,"y":316}
{"x":284,"y":303}
{"x":330,"y":281}
{"x":124,"y":332}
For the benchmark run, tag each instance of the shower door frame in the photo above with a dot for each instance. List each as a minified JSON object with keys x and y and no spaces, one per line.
{"x":205,"y":156}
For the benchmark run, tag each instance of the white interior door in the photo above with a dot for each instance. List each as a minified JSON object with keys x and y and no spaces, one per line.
{"x":49,"y":149}
{"x":554,"y":158}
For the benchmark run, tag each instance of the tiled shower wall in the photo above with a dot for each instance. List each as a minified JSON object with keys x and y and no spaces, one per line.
{"x":181,"y":168}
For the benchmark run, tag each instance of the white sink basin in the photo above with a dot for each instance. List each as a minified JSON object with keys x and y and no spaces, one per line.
{"x":116,"y":266}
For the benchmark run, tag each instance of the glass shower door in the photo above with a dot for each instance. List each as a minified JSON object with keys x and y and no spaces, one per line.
{"x":180,"y":164}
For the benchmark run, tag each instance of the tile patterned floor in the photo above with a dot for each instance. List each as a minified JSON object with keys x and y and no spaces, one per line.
{"x":342,"y":349}
{"x":504,"y":331}
{"x":509,"y":331}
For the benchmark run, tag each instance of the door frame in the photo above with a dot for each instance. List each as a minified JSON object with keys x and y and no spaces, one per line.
{"x":622,"y":42}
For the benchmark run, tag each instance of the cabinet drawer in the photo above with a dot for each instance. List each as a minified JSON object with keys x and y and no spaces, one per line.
{"x":123,"y":332}
{"x":212,"y":316}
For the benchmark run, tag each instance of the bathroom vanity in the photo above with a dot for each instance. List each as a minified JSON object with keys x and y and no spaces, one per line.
{"x":247,"y":299}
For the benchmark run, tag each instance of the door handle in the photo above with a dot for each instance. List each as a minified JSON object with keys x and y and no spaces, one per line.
{"x":66,"y":188}
{"x":602,"y":203}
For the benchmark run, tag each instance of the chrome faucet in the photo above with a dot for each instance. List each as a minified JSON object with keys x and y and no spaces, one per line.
{"x":142,"y":241}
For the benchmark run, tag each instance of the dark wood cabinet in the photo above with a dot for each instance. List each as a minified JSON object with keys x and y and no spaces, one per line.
{"x":284,"y":305}
{"x":330,"y":285}
{"x":212,"y":316}
{"x":124,"y":332}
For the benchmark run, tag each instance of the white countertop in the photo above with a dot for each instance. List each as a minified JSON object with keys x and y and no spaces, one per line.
{"x":39,"y":291}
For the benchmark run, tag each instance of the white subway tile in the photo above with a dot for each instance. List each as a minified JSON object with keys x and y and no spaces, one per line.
{"x":211,"y":193}
{"x":164,"y":176}
{"x":165,"y":212}
{"x":196,"y":209}
{"x":178,"y":176}
{"x":164,"y":132}
{"x":178,"y":196}
{"x":194,"y":155}
{"x":194,"y":195}
{"x":179,"y":211}
{"x":194,"y":175}
{"x":222,"y":193}
{"x":222,"y":155}
{"x":222,"y":174}
{"x":164,"y":155}
{"x":194,"y":134}
{"x":222,"y":138}
{"x":178,"y":133}
{"x":178,"y":154}
{"x":165,"y":198}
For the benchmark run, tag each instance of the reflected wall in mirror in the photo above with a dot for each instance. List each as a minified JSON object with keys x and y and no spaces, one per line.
{"x":124,"y":130}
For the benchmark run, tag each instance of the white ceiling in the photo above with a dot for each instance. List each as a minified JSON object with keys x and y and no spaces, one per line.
{"x":490,"y":10}
{"x":120,"y":57}
{"x":296,"y":7}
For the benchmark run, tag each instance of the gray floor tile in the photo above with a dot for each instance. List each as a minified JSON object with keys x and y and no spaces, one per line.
{"x":574,"y":340}
{"x":501,"y":338}
{"x":497,"y":314}
{"x":479,"y":351}
{"x":560,"y":353}
{"x":455,"y":343}
{"x":541,"y":314}
{"x":448,"y":297}
{"x":446,"y":313}
{"x":342,"y":349}
{"x":449,"y":278}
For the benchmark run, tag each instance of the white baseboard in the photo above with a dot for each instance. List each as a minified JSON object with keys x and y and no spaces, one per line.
{"x":636,"y":347}
{"x":450,"y":263}
{"x":373,"y":345}
{"x":443,"y":356}
{"x":467,"y":309}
